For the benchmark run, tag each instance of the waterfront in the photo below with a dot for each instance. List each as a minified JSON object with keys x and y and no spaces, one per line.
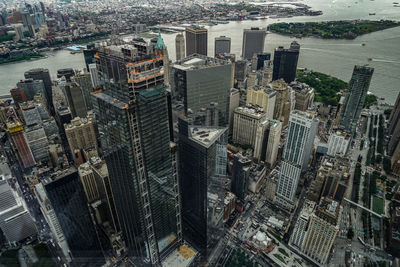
{"x":334,"y":57}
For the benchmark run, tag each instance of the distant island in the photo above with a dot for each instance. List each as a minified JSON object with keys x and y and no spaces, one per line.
{"x":344,"y":29}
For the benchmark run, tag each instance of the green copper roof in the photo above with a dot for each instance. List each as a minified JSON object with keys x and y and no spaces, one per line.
{"x":160,"y":42}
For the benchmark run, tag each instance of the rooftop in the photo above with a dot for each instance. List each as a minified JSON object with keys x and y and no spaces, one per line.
{"x":251,"y":110}
{"x":181,"y":257}
{"x":197,"y":61}
{"x":204,"y":135}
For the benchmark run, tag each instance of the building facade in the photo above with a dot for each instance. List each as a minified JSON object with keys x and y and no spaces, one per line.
{"x":196,"y":41}
{"x":180,"y":46}
{"x":240,"y":176}
{"x":253,"y":42}
{"x":262,"y":97}
{"x":285,"y":62}
{"x":222,"y":45}
{"x":267,"y":141}
{"x":338,"y":143}
{"x":355,"y":97}
{"x":245,"y":123}
{"x":43,"y":75}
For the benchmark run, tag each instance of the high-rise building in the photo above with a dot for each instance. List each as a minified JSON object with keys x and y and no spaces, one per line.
{"x":222,"y":45}
{"x":77,"y":94}
{"x":296,"y":154}
{"x":253,"y":42}
{"x":267,"y":73}
{"x":355,"y":97}
{"x":338,"y":143}
{"x":88,"y":54}
{"x":18,"y":95}
{"x":66,"y":73}
{"x":394,"y":127}
{"x":252,"y":79}
{"x":240,"y":176}
{"x":285,"y":62}
{"x":31,"y":87}
{"x":202,"y":166}
{"x":234,"y":101}
{"x":21,"y":144}
{"x":38,"y":142}
{"x":81,"y":134}
{"x":180,"y":46}
{"x":94,"y":76}
{"x":50,"y":216}
{"x":43,"y":75}
{"x":261,"y":58}
{"x":262,"y":97}
{"x":267,"y":141}
{"x":241,"y":70}
{"x":301,"y":226}
{"x":65,"y":193}
{"x":15,"y":221}
{"x":135,"y":138}
{"x":304,"y":95}
{"x":322,"y":230}
{"x":196,"y":41}
{"x":245,"y":123}
{"x":200,"y":81}
{"x":283,"y":104}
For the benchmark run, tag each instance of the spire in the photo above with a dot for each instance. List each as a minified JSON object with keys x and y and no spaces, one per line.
{"x":160,"y":43}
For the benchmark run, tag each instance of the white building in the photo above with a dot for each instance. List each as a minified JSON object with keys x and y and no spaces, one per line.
{"x":263,"y":97}
{"x":300,"y":229}
{"x":267,"y":141}
{"x":338,"y":143}
{"x":94,"y":76}
{"x":245,"y":123}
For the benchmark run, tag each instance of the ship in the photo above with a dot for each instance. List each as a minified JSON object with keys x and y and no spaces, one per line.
{"x":372,"y":14}
{"x":370,"y":59}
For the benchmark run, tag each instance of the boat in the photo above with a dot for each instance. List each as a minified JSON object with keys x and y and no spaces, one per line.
{"x":372,"y":14}
{"x":395,"y":3}
{"x":370,"y":59}
{"x":363,"y":44}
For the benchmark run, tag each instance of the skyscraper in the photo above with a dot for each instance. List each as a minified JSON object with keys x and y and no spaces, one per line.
{"x":253,"y":42}
{"x":21,"y":144}
{"x":267,"y":141}
{"x":285,"y":62}
{"x":355,"y":97}
{"x":200,"y":81}
{"x":43,"y":75}
{"x":180,"y":46}
{"x":196,"y":40}
{"x":135,"y":140}
{"x":261,"y":58}
{"x":240,"y":176}
{"x":245,"y":123}
{"x":296,"y":154}
{"x":202,"y":168}
{"x":394,"y":127}
{"x":222,"y":45}
{"x":65,"y":193}
{"x":263,"y":97}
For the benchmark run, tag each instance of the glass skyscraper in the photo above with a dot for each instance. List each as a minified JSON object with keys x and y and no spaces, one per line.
{"x":132,"y":116}
{"x":355,"y":97}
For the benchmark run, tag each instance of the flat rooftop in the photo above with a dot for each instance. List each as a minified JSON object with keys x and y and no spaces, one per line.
{"x":180,"y":257}
{"x":205,"y":136}
{"x":197,"y":61}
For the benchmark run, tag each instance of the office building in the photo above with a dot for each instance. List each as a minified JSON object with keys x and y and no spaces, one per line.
{"x":304,"y":95}
{"x":322,"y":230}
{"x":234,"y":101}
{"x":31,"y":87}
{"x":18,"y":95}
{"x":296,"y":154}
{"x":38,"y":143}
{"x":252,"y":79}
{"x":261,"y":59}
{"x":81,"y":134}
{"x":267,"y":141}
{"x":88,"y":55}
{"x":180,"y":46}
{"x":241,"y":70}
{"x":21,"y":144}
{"x":66,"y":73}
{"x":196,"y":41}
{"x":15,"y":221}
{"x":263,"y":97}
{"x":200,"y":81}
{"x":245,"y":123}
{"x":222,"y":45}
{"x":301,"y":226}
{"x":285,"y":62}
{"x":338,"y":143}
{"x":96,"y":184}
{"x":394,"y":127}
{"x":267,"y":73}
{"x":283,"y":105}
{"x":355,"y":97}
{"x":135,"y":140}
{"x":51,"y":218}
{"x":77,"y":94}
{"x":65,"y":193}
{"x":229,"y":205}
{"x":203,"y":159}
{"x":94,"y":76}
{"x":43,"y":75}
{"x":240,"y":176}
{"x":253,"y":42}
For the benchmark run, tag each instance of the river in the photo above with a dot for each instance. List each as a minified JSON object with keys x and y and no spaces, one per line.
{"x":334,"y":57}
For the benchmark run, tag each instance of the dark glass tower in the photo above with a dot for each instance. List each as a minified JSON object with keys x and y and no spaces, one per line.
{"x":196,"y":41}
{"x":132,"y":116}
{"x":65,"y":192}
{"x":202,"y":169}
{"x":43,"y":75}
{"x":285,"y":62}
{"x":240,"y":176}
{"x":253,"y":42}
{"x":355,"y":97}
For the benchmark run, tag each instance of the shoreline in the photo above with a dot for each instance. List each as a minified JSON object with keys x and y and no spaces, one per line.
{"x":30,"y":58}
